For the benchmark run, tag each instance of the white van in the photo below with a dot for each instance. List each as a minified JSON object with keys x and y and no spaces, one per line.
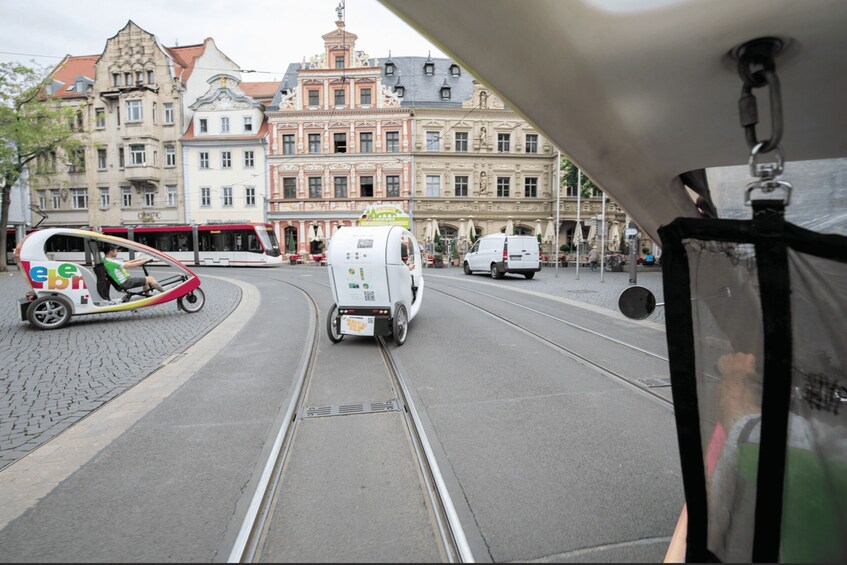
{"x":500,"y":254}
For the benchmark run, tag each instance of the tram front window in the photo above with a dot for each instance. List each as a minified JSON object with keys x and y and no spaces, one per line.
{"x":269,"y":242}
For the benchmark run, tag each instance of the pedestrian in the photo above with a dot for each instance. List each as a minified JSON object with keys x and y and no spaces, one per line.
{"x":593,"y":258}
{"x":117,"y":269}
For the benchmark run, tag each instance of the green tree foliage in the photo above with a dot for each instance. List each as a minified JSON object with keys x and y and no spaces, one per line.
{"x":31,"y":125}
{"x":569,"y":174}
{"x":439,"y":247}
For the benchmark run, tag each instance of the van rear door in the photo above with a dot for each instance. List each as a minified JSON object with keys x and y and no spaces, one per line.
{"x":522,"y":252}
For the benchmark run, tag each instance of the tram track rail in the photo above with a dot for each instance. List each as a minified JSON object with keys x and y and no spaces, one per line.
{"x":569,"y":351}
{"x":248,"y":546}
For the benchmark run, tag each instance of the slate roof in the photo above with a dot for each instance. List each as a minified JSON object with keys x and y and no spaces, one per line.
{"x":421,"y":90}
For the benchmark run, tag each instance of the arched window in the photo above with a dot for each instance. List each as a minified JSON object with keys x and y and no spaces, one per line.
{"x":290,"y":239}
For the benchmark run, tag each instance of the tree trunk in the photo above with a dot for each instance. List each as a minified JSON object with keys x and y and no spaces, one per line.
{"x":4,"y":220}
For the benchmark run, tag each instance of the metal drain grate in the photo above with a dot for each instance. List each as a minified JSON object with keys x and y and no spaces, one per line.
{"x":347,"y":409}
{"x":653,"y":383}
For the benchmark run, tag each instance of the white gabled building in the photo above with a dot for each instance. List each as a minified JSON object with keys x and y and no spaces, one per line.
{"x":224,"y":153}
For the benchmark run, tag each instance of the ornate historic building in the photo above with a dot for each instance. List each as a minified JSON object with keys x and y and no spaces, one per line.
{"x":132,"y":102}
{"x":224,"y":156}
{"x":347,"y":131}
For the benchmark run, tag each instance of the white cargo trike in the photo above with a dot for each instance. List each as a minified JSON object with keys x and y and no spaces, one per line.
{"x":377,"y":282}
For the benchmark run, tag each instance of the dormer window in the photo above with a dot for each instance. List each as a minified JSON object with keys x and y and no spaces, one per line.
{"x":400,"y":90}
{"x":455,"y":70}
{"x":429,"y":66}
{"x":445,"y":90}
{"x":389,"y":68}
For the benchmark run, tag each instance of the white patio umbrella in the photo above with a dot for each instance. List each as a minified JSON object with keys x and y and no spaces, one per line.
{"x":614,"y":236}
{"x":577,"y":234}
{"x":319,"y":232}
{"x":463,"y":230}
{"x":510,"y":227}
{"x":435,"y":229}
{"x":592,"y":234}
{"x":538,"y":229}
{"x":427,"y":235}
{"x":335,"y":227}
{"x":312,"y":232}
{"x":550,"y":232}
{"x":471,"y":228}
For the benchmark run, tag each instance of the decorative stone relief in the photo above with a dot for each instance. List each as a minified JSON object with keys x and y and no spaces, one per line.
{"x":389,"y":97}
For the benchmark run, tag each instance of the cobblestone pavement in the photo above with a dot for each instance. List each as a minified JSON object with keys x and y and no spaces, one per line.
{"x":52,"y":379}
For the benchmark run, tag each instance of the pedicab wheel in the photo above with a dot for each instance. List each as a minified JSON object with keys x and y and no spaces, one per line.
{"x":49,"y":312}
{"x":467,"y":269}
{"x":401,"y":325}
{"x":193,"y":301}
{"x":332,"y":326}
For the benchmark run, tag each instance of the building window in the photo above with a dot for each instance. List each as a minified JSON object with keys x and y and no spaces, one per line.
{"x":126,"y":197}
{"x":100,"y":118}
{"x":340,"y":140}
{"x":248,"y":124}
{"x":461,"y":186}
{"x":340,"y":187}
{"x":104,"y":197}
{"x":339,"y":97}
{"x":224,"y":124}
{"x":55,"y":199}
{"x":366,"y":187}
{"x":432,"y":141}
{"x":149,"y":197}
{"x":169,"y":113}
{"x":314,"y":143}
{"x":139,"y":77}
{"x":289,"y":188}
{"x":170,"y":155}
{"x":532,"y":143}
{"x":155,"y":113}
{"x":79,"y":198}
{"x":433,"y":185}
{"x":365,"y":96}
{"x":121,"y":157}
{"x":530,"y":187}
{"x":204,"y":159}
{"x":249,"y":161}
{"x":226,"y":159}
{"x":250,"y":196}
{"x":392,"y":141}
{"x":596,"y":192}
{"x":389,"y":68}
{"x":205,"y":197}
{"x":136,"y":154}
{"x":150,"y":78}
{"x":461,"y":141}
{"x":366,"y":140}
{"x":42,"y":199}
{"x":116,"y":79}
{"x":101,"y":159}
{"x":429,"y":68}
{"x":502,"y":187}
{"x":571,"y":192}
{"x":400,"y":90}
{"x":134,"y":111}
{"x":288,"y":144}
{"x":339,"y":61}
{"x":226,"y":196}
{"x":127,"y":79}
{"x":392,"y":186}
{"x":455,"y":70}
{"x":445,"y":91}
{"x":204,"y":125}
{"x":315,"y":187}
{"x":503,"y":142}
{"x":171,"y":195}
{"x":314,"y":97}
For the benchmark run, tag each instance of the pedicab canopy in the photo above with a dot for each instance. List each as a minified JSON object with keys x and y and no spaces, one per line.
{"x":385,"y":215}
